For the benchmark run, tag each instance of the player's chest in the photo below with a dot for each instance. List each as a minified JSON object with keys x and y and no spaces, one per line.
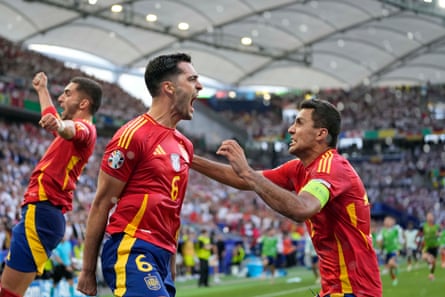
{"x":170,"y":155}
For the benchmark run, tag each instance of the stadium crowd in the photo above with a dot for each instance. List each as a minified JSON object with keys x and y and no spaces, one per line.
{"x":18,"y":66}
{"x":406,"y":109}
{"x":412,"y":183}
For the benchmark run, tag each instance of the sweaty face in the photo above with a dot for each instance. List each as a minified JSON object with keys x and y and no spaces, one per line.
{"x":303,"y":134}
{"x":69,"y":100}
{"x":187,"y":87}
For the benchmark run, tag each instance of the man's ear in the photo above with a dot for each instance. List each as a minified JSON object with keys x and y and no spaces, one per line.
{"x":328,"y":136}
{"x":85,"y":103}
{"x":169,"y":88}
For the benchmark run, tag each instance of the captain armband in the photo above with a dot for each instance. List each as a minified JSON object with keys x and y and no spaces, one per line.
{"x":317,"y":189}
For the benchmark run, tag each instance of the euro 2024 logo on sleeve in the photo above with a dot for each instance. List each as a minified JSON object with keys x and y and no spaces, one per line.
{"x":116,"y":159}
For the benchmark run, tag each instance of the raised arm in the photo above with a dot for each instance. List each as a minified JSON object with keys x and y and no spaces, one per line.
{"x":50,"y":119}
{"x":40,"y":84}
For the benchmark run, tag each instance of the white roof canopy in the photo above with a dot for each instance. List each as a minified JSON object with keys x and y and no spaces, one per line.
{"x":295,"y":44}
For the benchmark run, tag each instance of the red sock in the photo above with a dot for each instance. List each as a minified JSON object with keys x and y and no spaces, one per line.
{"x":6,"y":293}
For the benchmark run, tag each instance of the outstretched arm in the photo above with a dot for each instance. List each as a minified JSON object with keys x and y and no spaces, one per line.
{"x":50,"y":119}
{"x":219,"y":172}
{"x":296,"y":207}
{"x":108,"y":191}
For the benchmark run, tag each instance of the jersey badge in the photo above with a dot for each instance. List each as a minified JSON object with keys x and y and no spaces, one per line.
{"x":152,"y":282}
{"x":176,"y":164}
{"x":116,"y":159}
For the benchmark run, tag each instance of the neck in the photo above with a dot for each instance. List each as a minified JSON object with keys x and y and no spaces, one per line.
{"x":313,"y":155}
{"x":83,"y":115}
{"x":163,"y":117}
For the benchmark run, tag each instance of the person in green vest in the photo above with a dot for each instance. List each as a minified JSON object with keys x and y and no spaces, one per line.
{"x":431,"y":232}
{"x":375,"y":231}
{"x":269,"y":251}
{"x":204,"y":253}
{"x":238,"y":254}
{"x":391,"y":241}
{"x":442,"y":245}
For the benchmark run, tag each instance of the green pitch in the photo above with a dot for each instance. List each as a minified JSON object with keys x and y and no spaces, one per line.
{"x":300,"y":282}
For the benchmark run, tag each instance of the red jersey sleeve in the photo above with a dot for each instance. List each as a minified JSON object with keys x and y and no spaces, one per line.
{"x":119,"y":160}
{"x":84,"y":133}
{"x":289,"y":175}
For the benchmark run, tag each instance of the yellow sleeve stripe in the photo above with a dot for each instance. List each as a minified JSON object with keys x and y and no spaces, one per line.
{"x":324,"y":164}
{"x":127,"y":135}
{"x":317,"y":189}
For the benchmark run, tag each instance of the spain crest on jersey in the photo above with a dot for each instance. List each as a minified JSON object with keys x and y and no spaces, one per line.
{"x":116,"y":159}
{"x":176,"y":162}
{"x":152,"y":282}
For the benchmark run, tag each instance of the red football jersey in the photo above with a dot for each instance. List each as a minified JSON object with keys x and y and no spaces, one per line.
{"x":55,"y":176}
{"x":341,"y":230}
{"x":154,"y":162}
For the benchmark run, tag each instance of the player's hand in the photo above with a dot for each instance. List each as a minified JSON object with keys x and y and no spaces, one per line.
{"x":39,"y":81}
{"x":50,"y":122}
{"x":87,"y":283}
{"x":235,"y":155}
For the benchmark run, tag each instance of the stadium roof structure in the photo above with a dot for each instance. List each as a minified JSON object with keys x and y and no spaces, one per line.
{"x":296,"y":44}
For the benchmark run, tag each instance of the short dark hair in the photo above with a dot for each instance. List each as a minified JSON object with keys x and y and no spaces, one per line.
{"x":324,"y":115}
{"x":163,"y":68}
{"x":90,"y":89}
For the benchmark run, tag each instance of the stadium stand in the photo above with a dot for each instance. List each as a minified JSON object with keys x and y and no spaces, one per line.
{"x":403,"y":169}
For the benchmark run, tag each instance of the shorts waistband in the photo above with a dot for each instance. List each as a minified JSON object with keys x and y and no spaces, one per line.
{"x":47,"y":203}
